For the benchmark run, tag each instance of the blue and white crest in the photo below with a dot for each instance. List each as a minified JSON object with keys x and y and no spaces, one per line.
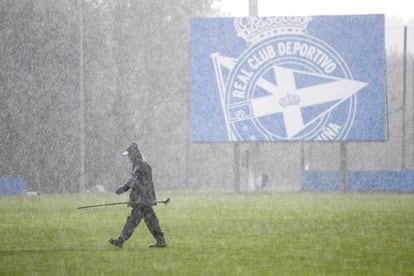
{"x":287,"y":78}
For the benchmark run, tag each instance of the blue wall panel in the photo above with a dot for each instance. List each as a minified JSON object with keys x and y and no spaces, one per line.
{"x":359,"y":181}
{"x":398,"y":181}
{"x":321,"y":181}
{"x":12,"y":185}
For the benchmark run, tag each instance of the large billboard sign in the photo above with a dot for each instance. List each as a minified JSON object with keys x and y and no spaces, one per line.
{"x":316,"y":78}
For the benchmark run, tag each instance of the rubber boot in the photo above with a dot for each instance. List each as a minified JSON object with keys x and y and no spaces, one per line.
{"x":118,"y":243}
{"x":160,"y":242}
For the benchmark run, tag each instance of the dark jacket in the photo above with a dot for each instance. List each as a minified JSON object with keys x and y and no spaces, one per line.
{"x":141,"y":185}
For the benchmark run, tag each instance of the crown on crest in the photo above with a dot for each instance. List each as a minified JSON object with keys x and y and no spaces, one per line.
{"x":256,"y":29}
{"x":289,"y":100}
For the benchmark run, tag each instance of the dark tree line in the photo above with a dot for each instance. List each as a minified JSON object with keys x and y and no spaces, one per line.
{"x":39,"y":92}
{"x":132,"y":58}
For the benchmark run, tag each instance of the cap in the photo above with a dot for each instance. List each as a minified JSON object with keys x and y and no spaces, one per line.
{"x":133,"y":148}
{"x":134,"y":151}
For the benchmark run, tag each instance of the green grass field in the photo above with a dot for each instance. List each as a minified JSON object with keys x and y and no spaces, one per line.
{"x":212,"y":233}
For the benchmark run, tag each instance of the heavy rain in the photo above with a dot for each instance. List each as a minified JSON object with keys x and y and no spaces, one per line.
{"x":81,"y":80}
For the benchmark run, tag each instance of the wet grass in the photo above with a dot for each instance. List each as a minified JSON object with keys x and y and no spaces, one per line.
{"x":212,"y":233}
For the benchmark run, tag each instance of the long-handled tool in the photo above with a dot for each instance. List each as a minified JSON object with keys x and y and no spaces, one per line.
{"x":119,"y":203}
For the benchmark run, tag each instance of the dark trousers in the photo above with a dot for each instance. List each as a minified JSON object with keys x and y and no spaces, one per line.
{"x":137,"y":214}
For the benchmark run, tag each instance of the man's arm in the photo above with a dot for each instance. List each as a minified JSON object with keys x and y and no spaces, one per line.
{"x":129,"y":184}
{"x":123,"y":188}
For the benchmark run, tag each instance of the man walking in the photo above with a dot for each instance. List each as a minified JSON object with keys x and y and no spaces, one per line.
{"x":141,"y":199}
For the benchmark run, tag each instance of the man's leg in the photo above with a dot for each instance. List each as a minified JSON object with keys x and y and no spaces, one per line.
{"x":151,"y":220}
{"x":131,"y":224}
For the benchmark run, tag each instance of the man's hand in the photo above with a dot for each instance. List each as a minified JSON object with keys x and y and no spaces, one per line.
{"x":120,"y":190}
